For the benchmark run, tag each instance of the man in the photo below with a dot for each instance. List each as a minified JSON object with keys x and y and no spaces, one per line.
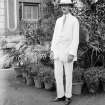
{"x":64,"y":47}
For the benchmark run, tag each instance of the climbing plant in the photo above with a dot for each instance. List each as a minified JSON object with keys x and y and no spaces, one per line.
{"x":47,"y":22}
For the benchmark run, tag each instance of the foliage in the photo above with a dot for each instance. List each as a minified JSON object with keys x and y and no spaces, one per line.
{"x":17,"y":60}
{"x":91,"y":77}
{"x":40,"y":76}
{"x":23,"y":55}
{"x":49,"y":76}
{"x":36,"y":32}
{"x":46,"y":60}
{"x":6,"y":61}
{"x":92,"y":19}
{"x":103,"y":77}
{"x":92,"y":24}
{"x":28,"y":29}
{"x":102,"y":74}
{"x":47,"y":22}
{"x":92,"y":40}
{"x":3,"y":43}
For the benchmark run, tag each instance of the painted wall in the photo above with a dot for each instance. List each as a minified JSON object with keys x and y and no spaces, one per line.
{"x":2,"y":17}
{"x":4,"y":12}
{"x":10,"y":11}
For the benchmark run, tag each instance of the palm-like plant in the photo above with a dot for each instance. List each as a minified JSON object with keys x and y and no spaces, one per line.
{"x":94,"y":22}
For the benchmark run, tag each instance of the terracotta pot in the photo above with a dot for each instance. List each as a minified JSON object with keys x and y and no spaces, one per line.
{"x":93,"y":87}
{"x":48,"y":86}
{"x":24,"y":74}
{"x":29,"y":81}
{"x":18,"y":71}
{"x":103,"y":84}
{"x":39,"y":84}
{"x":77,"y":88}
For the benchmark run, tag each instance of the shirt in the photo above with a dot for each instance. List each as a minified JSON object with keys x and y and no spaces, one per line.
{"x":65,"y":38}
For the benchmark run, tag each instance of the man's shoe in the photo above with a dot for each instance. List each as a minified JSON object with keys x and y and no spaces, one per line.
{"x":68,"y":101}
{"x":58,"y":99}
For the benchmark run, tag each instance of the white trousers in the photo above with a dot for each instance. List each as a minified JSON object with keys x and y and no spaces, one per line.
{"x":60,"y":69}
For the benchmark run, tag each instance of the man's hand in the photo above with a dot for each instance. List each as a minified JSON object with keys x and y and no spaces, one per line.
{"x":70,"y":58}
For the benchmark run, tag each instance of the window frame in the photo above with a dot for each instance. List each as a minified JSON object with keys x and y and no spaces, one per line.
{"x":30,"y":4}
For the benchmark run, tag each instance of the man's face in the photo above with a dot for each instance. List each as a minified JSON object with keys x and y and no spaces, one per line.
{"x":65,"y":9}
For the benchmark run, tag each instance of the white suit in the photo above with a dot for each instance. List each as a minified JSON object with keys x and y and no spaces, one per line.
{"x":65,"y":42}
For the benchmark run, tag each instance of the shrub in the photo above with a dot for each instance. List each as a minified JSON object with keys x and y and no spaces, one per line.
{"x":91,"y":78}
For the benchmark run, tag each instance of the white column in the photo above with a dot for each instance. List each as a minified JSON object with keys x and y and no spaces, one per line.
{"x":2,"y":17}
{"x":11,"y":15}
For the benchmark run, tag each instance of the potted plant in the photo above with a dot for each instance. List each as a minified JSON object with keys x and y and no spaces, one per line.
{"x":38,"y":80}
{"x":25,"y":73}
{"x":91,"y":78}
{"x":30,"y":62}
{"x":77,"y":81}
{"x":46,"y":60}
{"x":49,"y":80}
{"x":17,"y":62}
{"x":30,"y":79}
{"x":102,"y":77}
{"x":103,"y":80}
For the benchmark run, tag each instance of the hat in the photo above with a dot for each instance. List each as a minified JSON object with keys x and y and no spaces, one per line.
{"x":66,"y":2}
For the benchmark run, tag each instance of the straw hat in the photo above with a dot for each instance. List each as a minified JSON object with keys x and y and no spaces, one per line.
{"x":66,"y":2}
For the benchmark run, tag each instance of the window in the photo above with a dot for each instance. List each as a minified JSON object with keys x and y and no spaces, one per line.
{"x":30,"y":11}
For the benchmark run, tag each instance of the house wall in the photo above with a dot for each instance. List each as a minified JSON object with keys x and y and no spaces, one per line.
{"x":2,"y":17}
{"x":16,"y":31}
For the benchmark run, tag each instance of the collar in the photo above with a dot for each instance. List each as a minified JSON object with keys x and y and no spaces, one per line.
{"x":67,"y":15}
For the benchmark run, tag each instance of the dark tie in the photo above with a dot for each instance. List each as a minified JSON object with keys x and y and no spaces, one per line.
{"x":64,"y":20}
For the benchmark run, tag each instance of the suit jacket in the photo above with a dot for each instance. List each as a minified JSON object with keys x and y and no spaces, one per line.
{"x":65,"y":38}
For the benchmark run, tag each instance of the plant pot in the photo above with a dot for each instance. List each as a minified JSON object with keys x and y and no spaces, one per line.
{"x":39,"y":84}
{"x":24,"y":74}
{"x":77,"y":88}
{"x":29,"y":81}
{"x":103,"y":85}
{"x":48,"y":86}
{"x":93,"y":87}
{"x":18,"y":71}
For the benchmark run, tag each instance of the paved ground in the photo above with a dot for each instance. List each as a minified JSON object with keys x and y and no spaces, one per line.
{"x":14,"y":92}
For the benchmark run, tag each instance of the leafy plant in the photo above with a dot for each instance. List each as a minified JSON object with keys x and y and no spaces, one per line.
{"x":46,"y":60}
{"x":28,"y":29}
{"x":16,"y":58}
{"x":103,"y":77}
{"x":91,"y":78}
{"x":92,"y":19}
{"x":49,"y":76}
{"x":47,"y":22}
{"x":102,"y":74}
{"x":40,"y":76}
